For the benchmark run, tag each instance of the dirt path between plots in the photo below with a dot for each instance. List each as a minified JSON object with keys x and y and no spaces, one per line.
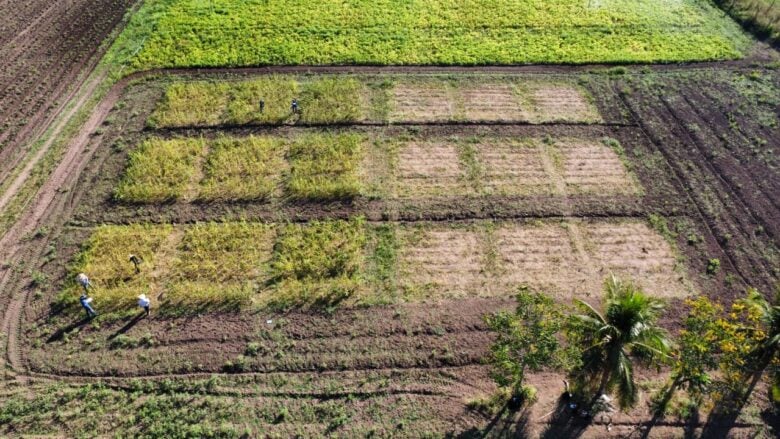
{"x":11,"y":191}
{"x":46,"y":201}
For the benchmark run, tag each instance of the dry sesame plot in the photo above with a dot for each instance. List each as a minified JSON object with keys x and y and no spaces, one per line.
{"x":430,"y":168}
{"x":567,"y":259}
{"x":428,"y":102}
{"x":510,"y":166}
{"x":492,"y":102}
{"x":592,"y":167}
{"x":561,"y":103}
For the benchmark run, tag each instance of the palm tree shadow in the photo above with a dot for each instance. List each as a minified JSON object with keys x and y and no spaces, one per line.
{"x":507,"y":423}
{"x":725,"y":414}
{"x":565,"y":423}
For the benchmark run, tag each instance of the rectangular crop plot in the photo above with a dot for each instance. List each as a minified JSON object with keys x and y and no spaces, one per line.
{"x":295,"y":32}
{"x":161,"y":170}
{"x":560,"y":103}
{"x":510,"y":167}
{"x":202,"y":103}
{"x":220,"y":265}
{"x":321,"y":264}
{"x":325,"y":166}
{"x":429,"y":169}
{"x":513,"y":167}
{"x":317,"y":263}
{"x":243,"y":169}
{"x":105,"y":258}
{"x":566,"y":259}
{"x":422,"y":102}
{"x":591,"y":167}
{"x":493,"y":102}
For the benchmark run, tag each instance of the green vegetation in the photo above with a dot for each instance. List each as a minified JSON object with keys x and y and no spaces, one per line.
{"x":205,"y":103}
{"x":325,"y":166}
{"x":242,"y":169}
{"x":322,"y":166}
{"x":762,"y":17}
{"x":160,"y":170}
{"x":318,"y":263}
{"x":193,"y":33}
{"x":527,"y":340}
{"x":627,"y":331}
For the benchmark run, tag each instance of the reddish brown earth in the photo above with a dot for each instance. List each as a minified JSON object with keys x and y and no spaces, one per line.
{"x":47,"y":49}
{"x":711,"y":183}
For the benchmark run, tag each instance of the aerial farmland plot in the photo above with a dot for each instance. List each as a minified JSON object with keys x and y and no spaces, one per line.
{"x":330,"y":205}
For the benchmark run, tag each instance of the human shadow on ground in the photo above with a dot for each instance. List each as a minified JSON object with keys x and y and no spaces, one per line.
{"x":507,"y":423}
{"x":565,"y":422}
{"x":60,"y":333}
{"x":128,"y":325}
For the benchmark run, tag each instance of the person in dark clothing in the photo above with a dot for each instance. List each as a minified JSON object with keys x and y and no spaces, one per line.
{"x":136,"y":262}
{"x":262,"y":105}
{"x":85,"y":303}
{"x":294,"y":106}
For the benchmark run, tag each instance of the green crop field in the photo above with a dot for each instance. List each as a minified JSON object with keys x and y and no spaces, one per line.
{"x":194,"y":33}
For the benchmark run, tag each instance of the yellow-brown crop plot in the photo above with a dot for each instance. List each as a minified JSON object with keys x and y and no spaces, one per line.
{"x":236,"y":265}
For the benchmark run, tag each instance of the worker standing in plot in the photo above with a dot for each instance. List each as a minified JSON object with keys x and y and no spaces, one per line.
{"x":145,"y":303}
{"x":83,"y":280}
{"x":294,"y":107}
{"x":136,"y":263}
{"x":262,"y":106}
{"x":86,"y":304}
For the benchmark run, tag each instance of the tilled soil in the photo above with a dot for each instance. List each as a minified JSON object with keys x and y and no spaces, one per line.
{"x":696,"y":188}
{"x":47,"y":48}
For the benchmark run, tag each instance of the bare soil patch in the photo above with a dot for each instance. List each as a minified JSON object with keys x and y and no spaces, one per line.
{"x":427,"y":169}
{"x":422,"y":103}
{"x":46,"y":48}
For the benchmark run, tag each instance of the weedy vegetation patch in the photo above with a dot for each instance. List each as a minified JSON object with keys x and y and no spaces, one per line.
{"x":193,"y":33}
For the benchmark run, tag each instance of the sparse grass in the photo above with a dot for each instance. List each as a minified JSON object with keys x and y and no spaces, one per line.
{"x":160,"y":170}
{"x":249,"y":168}
{"x":324,"y":166}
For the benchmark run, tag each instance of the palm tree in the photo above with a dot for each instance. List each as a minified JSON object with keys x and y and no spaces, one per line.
{"x":627,"y":330}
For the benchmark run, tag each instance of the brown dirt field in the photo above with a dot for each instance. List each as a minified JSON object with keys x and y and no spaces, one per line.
{"x":494,"y":102}
{"x":48,"y":48}
{"x":429,"y":352}
{"x":421,"y":104}
{"x":561,"y":103}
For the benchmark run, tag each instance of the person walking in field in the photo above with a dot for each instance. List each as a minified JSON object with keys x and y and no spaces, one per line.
{"x":136,"y":263}
{"x":83,"y":280}
{"x":294,"y":106}
{"x":145,"y":303}
{"x":262,"y":106}
{"x":86,"y":304}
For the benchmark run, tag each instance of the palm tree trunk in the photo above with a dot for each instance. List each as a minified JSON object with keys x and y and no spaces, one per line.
{"x":605,"y":375}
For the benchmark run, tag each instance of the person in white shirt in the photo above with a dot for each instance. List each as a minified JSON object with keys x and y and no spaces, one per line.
{"x":145,"y":303}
